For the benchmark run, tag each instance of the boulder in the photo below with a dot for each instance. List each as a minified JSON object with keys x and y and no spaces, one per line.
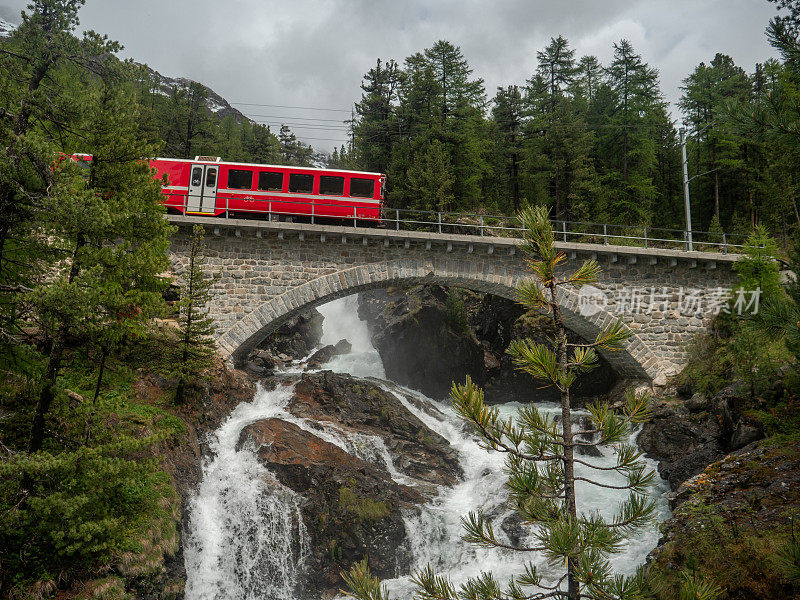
{"x":362,"y":406}
{"x":352,"y":506}
{"x":326,"y":353}
{"x":686,"y":436}
{"x":420,"y":346}
{"x":737,"y":512}
{"x":697,"y":403}
{"x":684,"y":443}
{"x":351,"y":509}
{"x":297,"y":337}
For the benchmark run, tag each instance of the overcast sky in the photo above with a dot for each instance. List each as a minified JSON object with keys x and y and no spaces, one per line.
{"x":313,"y":53}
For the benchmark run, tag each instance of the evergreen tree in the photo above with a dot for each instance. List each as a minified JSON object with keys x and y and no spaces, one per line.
{"x":191,"y":123}
{"x":293,"y":151}
{"x":376,"y":127}
{"x":195,"y":344}
{"x":628,"y":138}
{"x":541,"y":458}
{"x":508,"y":113}
{"x":430,"y":179}
{"x":705,"y":93}
{"x":111,"y":233}
{"x":39,"y":106}
{"x":556,"y":71}
{"x":559,"y":145}
{"x":589,"y":76}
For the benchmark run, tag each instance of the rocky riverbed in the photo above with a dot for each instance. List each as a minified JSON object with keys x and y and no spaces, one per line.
{"x":364,"y":469}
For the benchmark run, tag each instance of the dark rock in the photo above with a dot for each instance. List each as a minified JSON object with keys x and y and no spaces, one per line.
{"x":738,"y":511}
{"x":685,"y":390}
{"x":355,"y":404}
{"x":420,"y":348}
{"x":697,"y":403}
{"x":683,"y":443}
{"x":351,"y":508}
{"x":745,"y":433}
{"x":418,"y":344}
{"x":297,"y":337}
{"x":321,"y":356}
{"x":342,"y":347}
{"x":685,"y":440}
{"x":254,"y":367}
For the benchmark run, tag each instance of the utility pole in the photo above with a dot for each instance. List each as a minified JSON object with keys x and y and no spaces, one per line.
{"x":687,"y":205}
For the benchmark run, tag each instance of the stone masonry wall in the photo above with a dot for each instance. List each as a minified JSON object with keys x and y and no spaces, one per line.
{"x":266,"y":279}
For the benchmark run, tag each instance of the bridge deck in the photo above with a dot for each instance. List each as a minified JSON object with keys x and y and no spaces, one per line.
{"x":449,"y":240}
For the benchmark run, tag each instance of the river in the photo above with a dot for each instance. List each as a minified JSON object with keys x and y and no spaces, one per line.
{"x":245,"y":538}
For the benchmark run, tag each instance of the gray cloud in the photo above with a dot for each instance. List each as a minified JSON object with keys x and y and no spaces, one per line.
{"x":314,"y":52}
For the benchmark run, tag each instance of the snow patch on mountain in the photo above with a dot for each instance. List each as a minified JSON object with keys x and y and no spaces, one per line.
{"x":6,"y":28}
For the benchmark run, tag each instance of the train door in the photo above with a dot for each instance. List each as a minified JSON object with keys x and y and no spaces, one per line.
{"x":202,"y":189}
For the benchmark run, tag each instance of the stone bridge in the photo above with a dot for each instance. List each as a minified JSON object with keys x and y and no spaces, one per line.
{"x":270,"y":271}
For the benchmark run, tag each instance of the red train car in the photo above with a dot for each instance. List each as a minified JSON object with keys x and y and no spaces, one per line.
{"x":208,"y":186}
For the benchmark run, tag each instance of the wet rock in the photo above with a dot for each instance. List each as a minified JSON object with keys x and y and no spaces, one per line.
{"x":351,"y":505}
{"x":296,"y":338}
{"x":326,"y":353}
{"x":683,"y":443}
{"x":421,"y":347}
{"x":342,"y":347}
{"x":686,"y":436}
{"x":364,"y":407}
{"x":351,"y":509}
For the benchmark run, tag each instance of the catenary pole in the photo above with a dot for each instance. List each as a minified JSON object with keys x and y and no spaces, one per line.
{"x":686,"y":202}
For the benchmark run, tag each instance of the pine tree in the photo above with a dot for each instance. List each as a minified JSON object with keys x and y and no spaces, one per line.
{"x":376,"y":127}
{"x":627,"y":136}
{"x":39,"y":106}
{"x":195,"y":344}
{"x":559,"y":144}
{"x":508,"y":113}
{"x":541,"y":458}
{"x":111,"y":233}
{"x":430,"y":179}
{"x":706,"y":91}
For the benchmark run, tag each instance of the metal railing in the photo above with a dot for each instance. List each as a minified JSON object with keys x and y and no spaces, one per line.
{"x":483,"y":225}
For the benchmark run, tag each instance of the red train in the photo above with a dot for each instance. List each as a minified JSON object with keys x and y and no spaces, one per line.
{"x":208,"y":186}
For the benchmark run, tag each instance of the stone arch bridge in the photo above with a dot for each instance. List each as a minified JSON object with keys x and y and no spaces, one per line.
{"x":270,"y":271}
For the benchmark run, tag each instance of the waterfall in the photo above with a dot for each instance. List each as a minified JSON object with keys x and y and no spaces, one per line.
{"x":245,"y":535}
{"x":246,"y":538}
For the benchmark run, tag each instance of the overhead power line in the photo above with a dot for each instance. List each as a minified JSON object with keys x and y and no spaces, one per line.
{"x":298,"y":118}
{"x":290,"y":106}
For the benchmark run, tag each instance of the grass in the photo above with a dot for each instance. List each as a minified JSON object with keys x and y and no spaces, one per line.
{"x":365,"y":509}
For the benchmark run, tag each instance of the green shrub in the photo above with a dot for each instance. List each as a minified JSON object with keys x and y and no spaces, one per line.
{"x":456,"y":312}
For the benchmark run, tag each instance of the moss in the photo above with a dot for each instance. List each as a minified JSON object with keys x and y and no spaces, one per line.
{"x":730,"y":534}
{"x":365,"y":509}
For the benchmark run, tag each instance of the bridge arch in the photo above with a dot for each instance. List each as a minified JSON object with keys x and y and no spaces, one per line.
{"x":635,"y":359}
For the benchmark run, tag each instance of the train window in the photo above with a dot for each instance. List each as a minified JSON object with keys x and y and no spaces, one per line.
{"x":331,"y":186}
{"x":300,"y":183}
{"x":211,"y":178}
{"x":197,"y":176}
{"x":239,"y":179}
{"x":362,"y":188}
{"x":270,"y":182}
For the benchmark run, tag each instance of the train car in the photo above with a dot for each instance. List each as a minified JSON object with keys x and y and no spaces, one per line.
{"x":208,"y":186}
